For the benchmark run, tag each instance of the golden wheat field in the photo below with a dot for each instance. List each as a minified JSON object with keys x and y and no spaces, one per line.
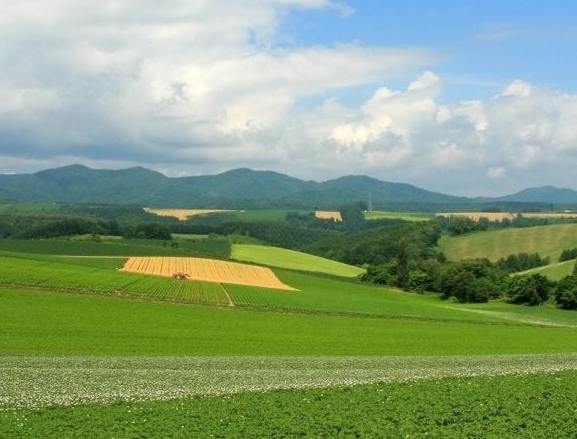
{"x":209,"y":270}
{"x":182,"y":214}
{"x":323,"y":214}
{"x":491,"y":216}
{"x":551,"y":215}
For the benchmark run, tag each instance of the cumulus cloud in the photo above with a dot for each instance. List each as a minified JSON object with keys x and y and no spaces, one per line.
{"x":201,"y":87}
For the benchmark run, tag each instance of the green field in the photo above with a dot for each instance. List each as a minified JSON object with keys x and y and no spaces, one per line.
{"x":119,"y":247}
{"x":513,"y":406}
{"x":406,"y":216}
{"x":554,"y":271}
{"x":495,"y":244}
{"x":283,"y":258}
{"x":90,"y":351}
{"x":28,"y":208}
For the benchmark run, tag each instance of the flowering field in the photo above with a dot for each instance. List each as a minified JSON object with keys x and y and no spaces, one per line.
{"x":539,"y":405}
{"x":39,"y":381}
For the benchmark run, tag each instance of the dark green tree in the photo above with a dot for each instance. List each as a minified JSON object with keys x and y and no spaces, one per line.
{"x":529,"y":290}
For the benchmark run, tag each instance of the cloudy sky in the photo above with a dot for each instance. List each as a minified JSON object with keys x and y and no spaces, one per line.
{"x":466,"y":98}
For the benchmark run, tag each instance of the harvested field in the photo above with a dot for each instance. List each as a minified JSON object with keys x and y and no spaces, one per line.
{"x":322,"y":214}
{"x":208,"y":270}
{"x":491,"y":216}
{"x":551,"y":215}
{"x":183,"y":214}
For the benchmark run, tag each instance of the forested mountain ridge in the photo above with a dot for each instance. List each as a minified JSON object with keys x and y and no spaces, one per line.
{"x":244,"y":189}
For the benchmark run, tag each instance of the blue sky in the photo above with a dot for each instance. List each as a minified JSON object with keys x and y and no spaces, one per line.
{"x":461,"y":97}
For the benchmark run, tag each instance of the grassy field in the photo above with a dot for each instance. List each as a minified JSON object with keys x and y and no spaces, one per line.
{"x":26,"y":208}
{"x":283,"y":258}
{"x":119,"y":247}
{"x":495,"y":244}
{"x":88,"y":351}
{"x":399,"y":215}
{"x":554,"y":271}
{"x":51,"y":323}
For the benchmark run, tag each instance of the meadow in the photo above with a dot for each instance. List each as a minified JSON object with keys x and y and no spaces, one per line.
{"x":294,"y":260}
{"x":406,"y":216}
{"x":495,"y":244}
{"x":90,"y":351}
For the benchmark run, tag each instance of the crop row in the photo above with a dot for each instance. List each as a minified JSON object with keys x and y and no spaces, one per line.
{"x":38,"y":381}
{"x":68,"y":277}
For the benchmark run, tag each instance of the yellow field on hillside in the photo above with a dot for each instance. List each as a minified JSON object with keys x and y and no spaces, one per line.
{"x":209,"y":270}
{"x":182,"y":214}
{"x":323,"y":214}
{"x":498,"y":216}
{"x":552,"y":215}
{"x":491,"y":216}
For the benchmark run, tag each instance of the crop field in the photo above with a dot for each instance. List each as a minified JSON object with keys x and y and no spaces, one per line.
{"x":332,"y":358}
{"x":323,"y":214}
{"x":283,"y":258}
{"x":118,"y":247}
{"x":550,"y":215}
{"x":208,"y":270}
{"x":182,"y":214}
{"x":406,"y":216}
{"x":90,"y":366}
{"x":548,"y":240}
{"x":38,"y":382}
{"x":91,"y":278}
{"x":475,"y":216}
{"x":518,"y":405}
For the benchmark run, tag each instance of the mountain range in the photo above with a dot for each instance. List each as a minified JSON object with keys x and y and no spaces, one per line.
{"x":245,"y":189}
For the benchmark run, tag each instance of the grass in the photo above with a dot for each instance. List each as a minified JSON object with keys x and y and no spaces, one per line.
{"x":283,"y":258}
{"x":28,"y":208}
{"x":548,"y":241}
{"x":399,"y":215}
{"x":332,"y":296}
{"x":51,"y":323}
{"x":118,"y":247}
{"x":554,"y":271}
{"x":387,"y":363}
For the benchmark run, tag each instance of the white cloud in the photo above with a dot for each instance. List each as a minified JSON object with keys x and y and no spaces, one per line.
{"x":517,"y":88}
{"x":496,"y":172}
{"x":199,"y":87}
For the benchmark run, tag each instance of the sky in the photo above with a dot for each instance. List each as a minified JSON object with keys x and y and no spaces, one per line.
{"x":474,"y":98}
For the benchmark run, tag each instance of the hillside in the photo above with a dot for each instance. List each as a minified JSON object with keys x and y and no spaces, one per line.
{"x":495,"y":244}
{"x":552,"y":194}
{"x":248,"y":189}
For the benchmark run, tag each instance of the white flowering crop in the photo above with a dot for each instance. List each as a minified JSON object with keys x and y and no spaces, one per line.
{"x":38,"y":381}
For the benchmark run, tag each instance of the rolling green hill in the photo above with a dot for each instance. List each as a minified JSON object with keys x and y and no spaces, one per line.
{"x":283,"y":258}
{"x":88,"y":351}
{"x":495,"y":244}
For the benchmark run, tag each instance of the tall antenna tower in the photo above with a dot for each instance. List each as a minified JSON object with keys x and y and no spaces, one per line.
{"x":370,"y":202}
